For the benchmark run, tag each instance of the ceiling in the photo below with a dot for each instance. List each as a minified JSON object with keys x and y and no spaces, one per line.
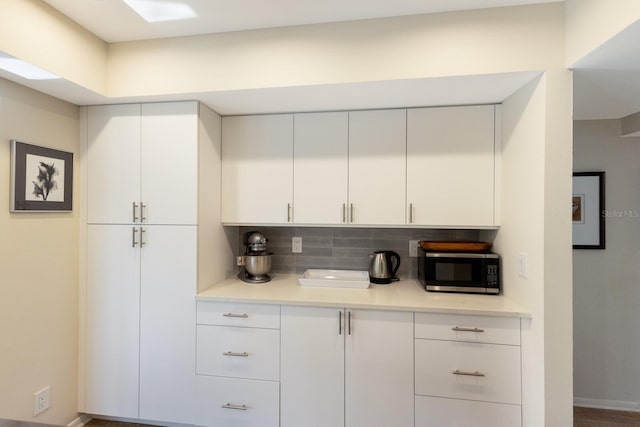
{"x":606,"y":82}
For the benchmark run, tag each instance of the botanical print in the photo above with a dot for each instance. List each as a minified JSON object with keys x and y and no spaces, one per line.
{"x":44,"y":179}
{"x":577,"y":207}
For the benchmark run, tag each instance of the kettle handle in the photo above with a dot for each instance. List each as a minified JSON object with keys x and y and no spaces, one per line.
{"x":392,"y":254}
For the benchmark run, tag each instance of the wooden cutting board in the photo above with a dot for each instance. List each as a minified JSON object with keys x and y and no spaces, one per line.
{"x":432,"y":246}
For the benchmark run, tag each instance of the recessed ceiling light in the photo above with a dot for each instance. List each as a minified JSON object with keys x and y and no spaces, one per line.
{"x":24,"y":69}
{"x":160,"y":10}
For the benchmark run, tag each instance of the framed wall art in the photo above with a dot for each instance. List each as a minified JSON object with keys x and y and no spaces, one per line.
{"x":587,"y":207}
{"x":41,"y":178}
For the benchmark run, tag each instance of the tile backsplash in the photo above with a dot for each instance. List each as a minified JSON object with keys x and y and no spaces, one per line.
{"x":346,"y":248}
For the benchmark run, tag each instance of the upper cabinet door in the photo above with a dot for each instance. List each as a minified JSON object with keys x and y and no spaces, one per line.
{"x":320,"y":168}
{"x":170,"y":163}
{"x":377,"y":167}
{"x":113,"y":163}
{"x":451,"y":166}
{"x":257,"y":169}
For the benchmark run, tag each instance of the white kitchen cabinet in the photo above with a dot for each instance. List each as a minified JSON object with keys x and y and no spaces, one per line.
{"x":113,"y":158}
{"x":169,"y":171}
{"x":451,"y":171}
{"x":137,"y":357}
{"x":320,"y":168}
{"x":142,"y":163}
{"x":439,"y":412}
{"x":167,"y":313}
{"x":467,"y":370}
{"x":377,"y":167}
{"x":140,"y":323}
{"x":472,"y":371}
{"x":234,"y":402}
{"x":257,"y":169}
{"x":336,"y":363}
{"x":237,"y":364}
{"x":112,"y":322}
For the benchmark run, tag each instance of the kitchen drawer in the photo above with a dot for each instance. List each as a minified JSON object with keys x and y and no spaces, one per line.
{"x":457,"y":327}
{"x":232,"y":314}
{"x":238,"y":352}
{"x":232,"y":402}
{"x":436,"y":361}
{"x":439,"y":412}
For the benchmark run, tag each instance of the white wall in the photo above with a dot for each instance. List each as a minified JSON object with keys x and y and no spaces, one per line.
{"x":590,"y":23}
{"x":606,"y":282}
{"x":536,"y":160}
{"x":522,"y":231}
{"x":38,"y":269}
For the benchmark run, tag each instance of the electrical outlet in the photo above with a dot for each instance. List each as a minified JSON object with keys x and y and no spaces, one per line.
{"x":296,"y":245}
{"x":413,"y":248}
{"x":522,"y":265}
{"x":40,"y":401}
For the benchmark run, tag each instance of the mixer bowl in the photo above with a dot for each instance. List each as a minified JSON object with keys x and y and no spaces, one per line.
{"x":257,"y":265}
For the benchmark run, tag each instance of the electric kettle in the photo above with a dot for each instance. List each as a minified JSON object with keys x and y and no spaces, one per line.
{"x":381,"y":269}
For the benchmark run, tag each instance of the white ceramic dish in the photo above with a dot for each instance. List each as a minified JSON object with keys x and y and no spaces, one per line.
{"x":335,"y":278}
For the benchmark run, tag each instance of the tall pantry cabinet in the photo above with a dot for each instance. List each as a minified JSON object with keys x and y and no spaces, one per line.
{"x":150,"y":169}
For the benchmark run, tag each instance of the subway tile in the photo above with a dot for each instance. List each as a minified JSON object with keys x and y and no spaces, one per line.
{"x":362,"y":233}
{"x":351,"y":243}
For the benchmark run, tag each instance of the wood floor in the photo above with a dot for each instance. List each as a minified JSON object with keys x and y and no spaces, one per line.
{"x":582,"y":417}
{"x":587,"y":417}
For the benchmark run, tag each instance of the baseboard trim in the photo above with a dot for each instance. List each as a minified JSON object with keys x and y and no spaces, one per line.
{"x":615,"y":405}
{"x":81,"y":421}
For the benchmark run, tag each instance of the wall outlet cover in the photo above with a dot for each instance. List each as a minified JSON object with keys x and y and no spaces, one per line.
{"x":40,"y":401}
{"x":296,"y":245}
{"x":413,"y":248}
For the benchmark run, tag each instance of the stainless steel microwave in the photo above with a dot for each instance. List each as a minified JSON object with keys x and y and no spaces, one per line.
{"x":477,"y":273}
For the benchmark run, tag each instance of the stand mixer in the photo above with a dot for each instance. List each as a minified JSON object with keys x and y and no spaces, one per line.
{"x":256,"y":261}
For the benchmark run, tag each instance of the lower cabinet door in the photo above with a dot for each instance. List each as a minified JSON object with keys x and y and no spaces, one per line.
{"x":227,"y":351}
{"x":232,"y":402}
{"x":471,"y":371}
{"x":439,"y":412}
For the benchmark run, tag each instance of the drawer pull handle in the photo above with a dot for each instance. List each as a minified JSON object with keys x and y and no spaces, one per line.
{"x":234,"y":406}
{"x":459,"y":329}
{"x":235,"y":354}
{"x":243,"y":315}
{"x":468,"y":374}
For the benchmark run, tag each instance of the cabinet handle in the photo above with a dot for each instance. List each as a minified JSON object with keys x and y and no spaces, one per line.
{"x":340,"y":322}
{"x":351,"y":213}
{"x":243,"y":315}
{"x":135,"y":216}
{"x":288,"y":212}
{"x":235,"y":354}
{"x":459,"y":329}
{"x":344,"y":213}
{"x":410,"y":213}
{"x":133,"y":237}
{"x":242,"y":407}
{"x":468,"y":374}
{"x":349,"y":322}
{"x":142,"y":213}
{"x":142,"y":242}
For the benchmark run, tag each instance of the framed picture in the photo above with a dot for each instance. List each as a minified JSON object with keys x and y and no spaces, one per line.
{"x":41,"y":178}
{"x":588,"y":210}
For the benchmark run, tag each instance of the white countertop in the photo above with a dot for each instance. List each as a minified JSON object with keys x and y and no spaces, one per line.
{"x":405,"y":295}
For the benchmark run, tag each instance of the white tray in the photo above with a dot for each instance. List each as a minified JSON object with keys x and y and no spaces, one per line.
{"x":335,"y":278}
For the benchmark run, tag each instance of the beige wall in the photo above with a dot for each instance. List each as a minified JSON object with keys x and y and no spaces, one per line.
{"x":33,"y":31}
{"x":522,"y":231}
{"x":590,"y":23}
{"x":38,"y":269}
{"x":447,"y":44}
{"x":606,"y":291}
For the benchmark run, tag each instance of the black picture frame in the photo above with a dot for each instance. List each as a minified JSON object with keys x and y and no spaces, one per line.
{"x":588,"y":208}
{"x":41,"y":179}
